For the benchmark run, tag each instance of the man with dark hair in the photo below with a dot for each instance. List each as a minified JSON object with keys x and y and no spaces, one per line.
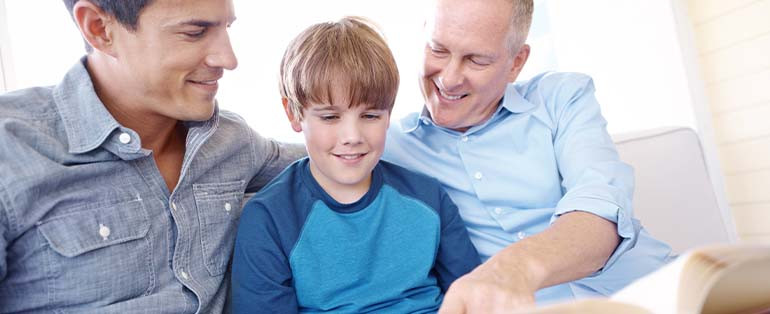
{"x":121,"y":187}
{"x":536,"y":177}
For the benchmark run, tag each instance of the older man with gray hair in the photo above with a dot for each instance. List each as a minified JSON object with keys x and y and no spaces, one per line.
{"x":536,"y":177}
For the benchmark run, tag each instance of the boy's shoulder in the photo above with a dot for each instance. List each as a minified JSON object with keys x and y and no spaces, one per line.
{"x":402,"y":173}
{"x":410,"y":182}
{"x":285,"y":188}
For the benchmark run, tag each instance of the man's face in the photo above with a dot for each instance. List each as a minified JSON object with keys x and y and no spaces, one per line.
{"x":468,"y":61}
{"x":344,"y":144}
{"x":171,"y":64}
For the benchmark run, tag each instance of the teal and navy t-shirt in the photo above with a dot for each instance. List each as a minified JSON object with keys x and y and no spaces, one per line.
{"x":396,"y":250}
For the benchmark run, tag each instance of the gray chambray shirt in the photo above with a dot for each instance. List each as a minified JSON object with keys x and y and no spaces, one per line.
{"x":87,"y":223}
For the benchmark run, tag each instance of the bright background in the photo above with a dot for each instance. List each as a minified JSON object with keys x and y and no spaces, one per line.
{"x":637,"y":63}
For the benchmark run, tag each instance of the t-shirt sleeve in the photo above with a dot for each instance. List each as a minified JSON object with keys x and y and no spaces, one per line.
{"x":456,"y":254}
{"x":261,"y":276}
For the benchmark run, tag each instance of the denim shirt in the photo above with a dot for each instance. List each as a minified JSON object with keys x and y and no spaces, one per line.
{"x":87,"y":223}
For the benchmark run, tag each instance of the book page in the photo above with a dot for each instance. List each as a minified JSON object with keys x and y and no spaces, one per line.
{"x":713,"y":279}
{"x":744,"y":288}
{"x":658,"y":291}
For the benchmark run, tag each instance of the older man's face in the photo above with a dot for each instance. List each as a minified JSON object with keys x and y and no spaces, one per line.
{"x":468,"y":61}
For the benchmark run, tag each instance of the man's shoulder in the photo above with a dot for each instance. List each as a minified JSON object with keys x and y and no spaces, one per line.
{"x":35,"y":103}
{"x":29,"y":118}
{"x":233,"y":121}
{"x":232,"y":133}
{"x":558,"y":84}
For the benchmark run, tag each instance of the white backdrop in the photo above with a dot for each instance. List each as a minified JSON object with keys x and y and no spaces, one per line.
{"x":630,"y":47}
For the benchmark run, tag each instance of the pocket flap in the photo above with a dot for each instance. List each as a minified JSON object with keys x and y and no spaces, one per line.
{"x":219,"y":190}
{"x":83,"y":231}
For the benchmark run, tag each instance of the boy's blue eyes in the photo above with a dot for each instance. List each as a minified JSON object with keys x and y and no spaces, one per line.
{"x":329,"y":117}
{"x":335,"y":117}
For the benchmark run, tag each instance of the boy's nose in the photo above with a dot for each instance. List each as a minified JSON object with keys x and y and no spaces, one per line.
{"x":350,"y":134}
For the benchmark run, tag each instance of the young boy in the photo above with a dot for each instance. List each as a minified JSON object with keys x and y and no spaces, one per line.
{"x":342,"y":231}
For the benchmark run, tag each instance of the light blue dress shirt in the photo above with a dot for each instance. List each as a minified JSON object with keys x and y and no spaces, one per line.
{"x":543,"y":153}
{"x":87,"y":224}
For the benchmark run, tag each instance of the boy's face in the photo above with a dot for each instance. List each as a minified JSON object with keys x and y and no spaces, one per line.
{"x":344,"y":144}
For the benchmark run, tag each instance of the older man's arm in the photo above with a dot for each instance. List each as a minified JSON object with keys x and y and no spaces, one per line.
{"x":576,"y":245}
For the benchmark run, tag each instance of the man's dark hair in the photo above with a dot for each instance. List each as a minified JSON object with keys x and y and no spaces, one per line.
{"x":125,"y":11}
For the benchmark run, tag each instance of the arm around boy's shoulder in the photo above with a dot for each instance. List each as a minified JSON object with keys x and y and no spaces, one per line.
{"x":712,"y":279}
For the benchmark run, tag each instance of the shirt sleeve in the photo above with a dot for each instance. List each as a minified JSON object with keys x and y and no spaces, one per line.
{"x":593,"y":177}
{"x":271,"y":158}
{"x":456,"y":254}
{"x":4,"y":230}
{"x":261,"y":277}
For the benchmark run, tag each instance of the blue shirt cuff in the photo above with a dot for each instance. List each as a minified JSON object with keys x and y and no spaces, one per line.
{"x":607,"y":210}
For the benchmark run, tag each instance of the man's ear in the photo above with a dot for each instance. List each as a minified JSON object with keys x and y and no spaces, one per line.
{"x":518,"y":62}
{"x":94,"y":25}
{"x":295,"y":125}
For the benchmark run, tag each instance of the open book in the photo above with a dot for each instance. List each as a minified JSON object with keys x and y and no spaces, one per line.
{"x":714,"y":279}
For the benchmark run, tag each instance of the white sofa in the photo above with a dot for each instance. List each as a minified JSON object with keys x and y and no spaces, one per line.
{"x":674,"y":197}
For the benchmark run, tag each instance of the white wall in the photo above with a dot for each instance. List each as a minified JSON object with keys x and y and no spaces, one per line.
{"x":5,"y":50}
{"x":629,"y":47}
{"x":733,"y":40}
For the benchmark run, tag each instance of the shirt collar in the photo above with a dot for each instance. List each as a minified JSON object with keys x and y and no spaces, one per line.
{"x":89,"y":125}
{"x":86,"y":121}
{"x":512,"y":101}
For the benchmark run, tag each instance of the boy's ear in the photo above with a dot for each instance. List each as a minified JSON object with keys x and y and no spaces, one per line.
{"x":295,"y":125}
{"x":95,"y":26}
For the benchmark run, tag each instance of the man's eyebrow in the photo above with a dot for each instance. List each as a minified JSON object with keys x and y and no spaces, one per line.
{"x":484,"y":56}
{"x":434,"y":43}
{"x":199,"y":23}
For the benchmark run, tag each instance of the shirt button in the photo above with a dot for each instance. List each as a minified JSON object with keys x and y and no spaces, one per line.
{"x":464,"y":138}
{"x":498,"y":210}
{"x":478,"y":175}
{"x":425,"y":121}
{"x":173,"y":205}
{"x":521,"y":235}
{"x":228,"y":207}
{"x":183,"y":274}
{"x":124,"y":138}
{"x":104,"y":231}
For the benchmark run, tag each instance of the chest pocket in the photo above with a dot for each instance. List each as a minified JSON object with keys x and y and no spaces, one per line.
{"x":219,"y":207}
{"x":100,"y":254}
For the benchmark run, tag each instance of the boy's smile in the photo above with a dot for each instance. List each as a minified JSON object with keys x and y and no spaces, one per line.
{"x":344,"y":144}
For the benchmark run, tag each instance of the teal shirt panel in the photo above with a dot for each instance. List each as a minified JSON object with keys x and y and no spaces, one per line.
{"x":352,"y":256}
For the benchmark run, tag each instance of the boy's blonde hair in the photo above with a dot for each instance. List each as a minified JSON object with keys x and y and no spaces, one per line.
{"x":348,"y":54}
